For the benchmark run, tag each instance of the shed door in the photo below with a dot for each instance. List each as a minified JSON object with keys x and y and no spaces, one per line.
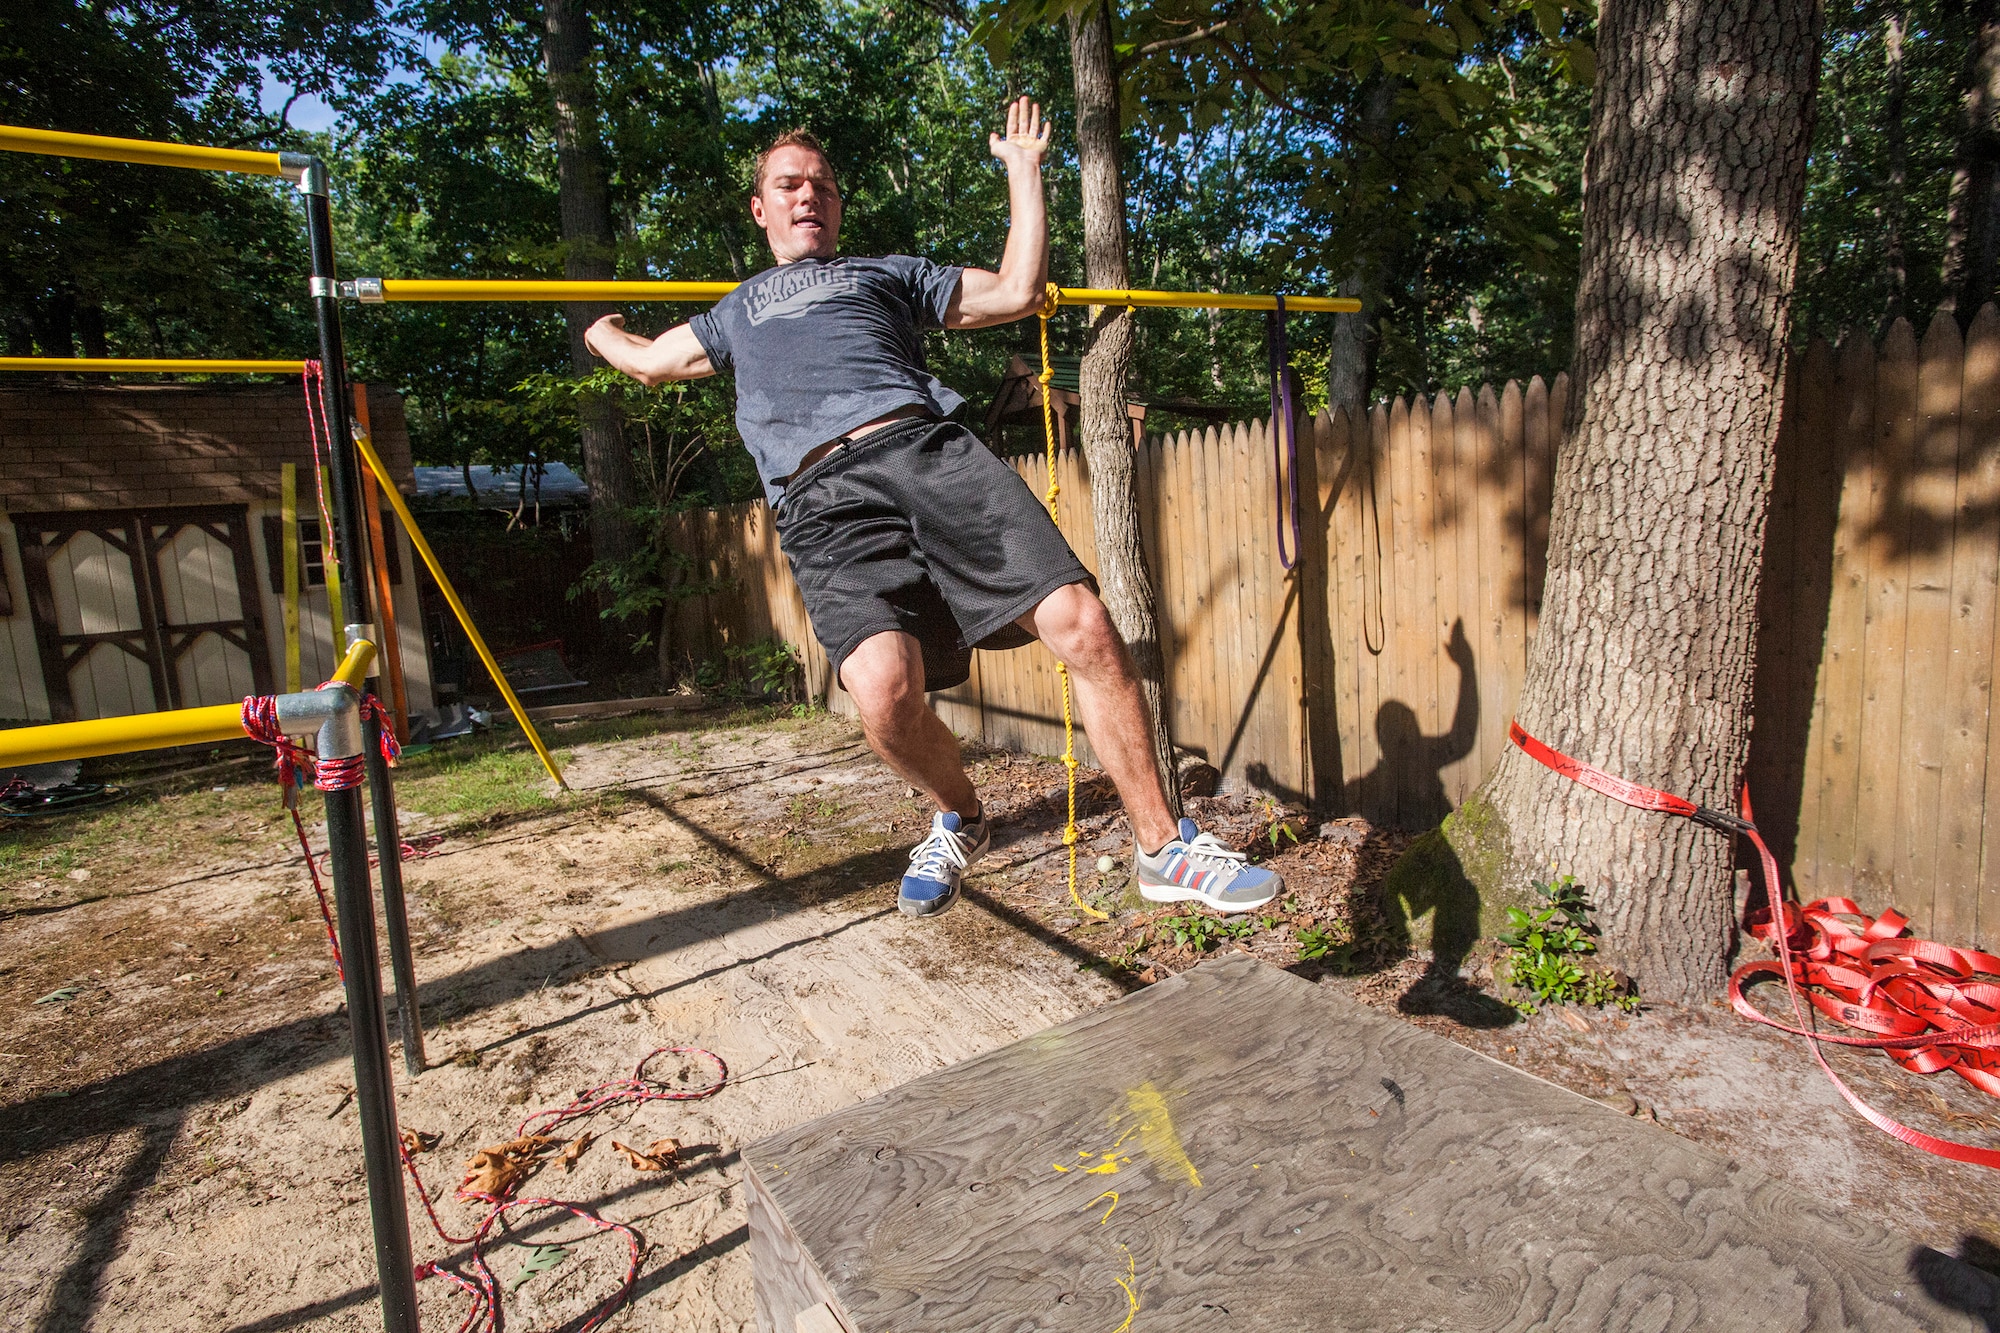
{"x":141,"y":610}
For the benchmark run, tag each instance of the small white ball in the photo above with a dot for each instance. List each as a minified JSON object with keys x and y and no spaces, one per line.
{"x":1105,"y":865}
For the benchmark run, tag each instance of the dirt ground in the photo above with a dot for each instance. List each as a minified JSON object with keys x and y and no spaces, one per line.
{"x":180,"y":1148}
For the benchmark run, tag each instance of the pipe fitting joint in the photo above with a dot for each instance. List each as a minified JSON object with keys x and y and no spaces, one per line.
{"x":332,"y":713}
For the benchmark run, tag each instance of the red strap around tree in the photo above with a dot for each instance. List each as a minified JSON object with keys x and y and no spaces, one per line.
{"x":1921,"y":994}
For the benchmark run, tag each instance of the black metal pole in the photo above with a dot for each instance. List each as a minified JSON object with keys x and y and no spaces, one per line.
{"x":374,"y":1091}
{"x":358,"y":564}
{"x":347,"y":834}
{"x":389,"y":850}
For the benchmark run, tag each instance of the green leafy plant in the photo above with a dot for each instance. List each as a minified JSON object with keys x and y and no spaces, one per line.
{"x":1320,"y":941}
{"x":1278,"y":827}
{"x":1548,"y":951}
{"x":1192,"y":930}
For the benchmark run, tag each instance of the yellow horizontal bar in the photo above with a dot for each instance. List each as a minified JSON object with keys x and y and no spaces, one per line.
{"x":354,"y":667}
{"x":142,"y":366}
{"x":148,"y":731}
{"x":426,"y":289}
{"x":1204,"y":300}
{"x":120,"y":735}
{"x":453,"y":289}
{"x":146,"y":152}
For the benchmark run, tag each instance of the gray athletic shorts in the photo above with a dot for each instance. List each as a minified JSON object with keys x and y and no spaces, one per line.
{"x":918,"y":527}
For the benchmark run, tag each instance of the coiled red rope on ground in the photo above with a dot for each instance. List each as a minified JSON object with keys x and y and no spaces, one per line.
{"x":1870,"y":977}
{"x":483,"y":1286}
{"x":294,"y":764}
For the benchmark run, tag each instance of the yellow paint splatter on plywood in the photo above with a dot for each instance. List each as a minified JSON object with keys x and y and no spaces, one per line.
{"x":1157,"y":1134}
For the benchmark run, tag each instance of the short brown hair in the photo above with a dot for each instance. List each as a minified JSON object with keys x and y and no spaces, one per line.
{"x":791,"y":139}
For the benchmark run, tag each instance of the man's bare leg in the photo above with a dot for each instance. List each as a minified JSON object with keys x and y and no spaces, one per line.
{"x":1078,"y":630}
{"x":884,"y":676}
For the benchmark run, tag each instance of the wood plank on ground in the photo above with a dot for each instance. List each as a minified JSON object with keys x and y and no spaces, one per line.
{"x":1159,"y":1162}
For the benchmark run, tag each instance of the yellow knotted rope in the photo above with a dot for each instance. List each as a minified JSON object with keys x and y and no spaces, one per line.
{"x":1062,"y":670}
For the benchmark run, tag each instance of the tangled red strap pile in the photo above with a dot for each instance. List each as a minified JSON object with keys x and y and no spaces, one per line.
{"x":485,"y":1313}
{"x":1923,"y":995}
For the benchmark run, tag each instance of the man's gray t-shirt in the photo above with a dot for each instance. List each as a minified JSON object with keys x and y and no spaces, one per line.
{"x":820,"y":346}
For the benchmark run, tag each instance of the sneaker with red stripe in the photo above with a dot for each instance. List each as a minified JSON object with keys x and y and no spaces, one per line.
{"x":1199,"y":867}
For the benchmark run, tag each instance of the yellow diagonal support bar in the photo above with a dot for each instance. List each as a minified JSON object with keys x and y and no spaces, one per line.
{"x":508,"y":289}
{"x":353,"y":668}
{"x":142,"y":366}
{"x":395,"y":499}
{"x":149,"y":152}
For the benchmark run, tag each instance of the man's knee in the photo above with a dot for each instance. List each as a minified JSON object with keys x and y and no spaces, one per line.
{"x":884,"y":675}
{"x":1075,"y":625}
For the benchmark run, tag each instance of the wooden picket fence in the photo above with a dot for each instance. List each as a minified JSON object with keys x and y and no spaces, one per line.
{"x":1874,"y":736}
{"x":1342,"y":690}
{"x":1343,"y":682}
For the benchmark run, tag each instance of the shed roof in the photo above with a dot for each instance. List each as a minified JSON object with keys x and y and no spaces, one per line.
{"x":68,"y":447}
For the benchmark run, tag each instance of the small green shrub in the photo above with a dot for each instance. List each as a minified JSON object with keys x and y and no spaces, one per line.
{"x":1548,"y":951}
{"x":1321,"y":941}
{"x":1192,"y":930}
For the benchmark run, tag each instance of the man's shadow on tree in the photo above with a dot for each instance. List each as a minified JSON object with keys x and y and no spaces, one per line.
{"x":1406,"y":787}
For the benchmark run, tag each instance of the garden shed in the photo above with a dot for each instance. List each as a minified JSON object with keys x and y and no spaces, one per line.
{"x":141,"y":547}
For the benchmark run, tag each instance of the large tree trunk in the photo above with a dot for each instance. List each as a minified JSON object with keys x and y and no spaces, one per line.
{"x":589,"y":249}
{"x":1106,"y":430}
{"x":1642,"y":662}
{"x":1972,"y":215}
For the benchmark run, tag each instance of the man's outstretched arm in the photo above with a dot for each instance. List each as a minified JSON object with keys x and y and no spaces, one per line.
{"x":675,"y":355}
{"x":1015,"y":292}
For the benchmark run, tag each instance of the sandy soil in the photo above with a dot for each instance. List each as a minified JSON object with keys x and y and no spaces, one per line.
{"x":181,"y":1149}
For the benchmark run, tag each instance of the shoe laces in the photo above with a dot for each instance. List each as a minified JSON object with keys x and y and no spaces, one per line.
{"x":941,"y":849}
{"x":1209,"y":848}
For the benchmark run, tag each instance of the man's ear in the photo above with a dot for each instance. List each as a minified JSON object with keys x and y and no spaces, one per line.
{"x":757,"y":211}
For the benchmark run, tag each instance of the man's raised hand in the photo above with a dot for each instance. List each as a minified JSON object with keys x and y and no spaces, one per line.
{"x":1027,"y":136}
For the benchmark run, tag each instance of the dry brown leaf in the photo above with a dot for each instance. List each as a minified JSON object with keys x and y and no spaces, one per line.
{"x":418,"y":1140}
{"x":660,"y":1155}
{"x":499,"y":1170}
{"x":1573,"y":1019}
{"x":575,"y":1150}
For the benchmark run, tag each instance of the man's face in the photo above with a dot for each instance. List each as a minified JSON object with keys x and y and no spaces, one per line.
{"x":798,"y":206}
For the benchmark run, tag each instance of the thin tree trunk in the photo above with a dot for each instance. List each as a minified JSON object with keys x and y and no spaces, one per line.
{"x":1347,"y":352}
{"x":1105,"y":430}
{"x":1643,"y":659}
{"x":1970,"y":213}
{"x":1347,"y":360}
{"x":589,"y":250}
{"x":1895,"y":212}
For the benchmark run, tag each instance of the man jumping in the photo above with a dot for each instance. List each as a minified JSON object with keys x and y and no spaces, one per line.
{"x":912,"y":543}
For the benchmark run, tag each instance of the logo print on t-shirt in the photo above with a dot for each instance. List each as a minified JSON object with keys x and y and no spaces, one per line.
{"x":796,"y":290}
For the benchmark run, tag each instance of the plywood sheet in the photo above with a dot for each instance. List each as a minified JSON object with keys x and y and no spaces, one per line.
{"x":1164,"y":1164}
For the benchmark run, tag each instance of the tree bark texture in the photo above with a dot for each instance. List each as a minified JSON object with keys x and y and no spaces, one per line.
{"x":589,"y":250}
{"x":1105,"y":430}
{"x":1895,"y":209}
{"x":1643,"y":659}
{"x":1349,"y":350}
{"x":1972,"y":213}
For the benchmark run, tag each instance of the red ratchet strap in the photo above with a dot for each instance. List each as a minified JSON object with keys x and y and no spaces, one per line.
{"x":1919,"y":993}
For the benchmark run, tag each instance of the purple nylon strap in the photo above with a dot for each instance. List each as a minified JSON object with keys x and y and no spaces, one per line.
{"x":1284,"y":430}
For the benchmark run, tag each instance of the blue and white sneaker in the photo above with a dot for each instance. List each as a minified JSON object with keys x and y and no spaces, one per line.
{"x":939,"y":861}
{"x":1199,"y":867}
